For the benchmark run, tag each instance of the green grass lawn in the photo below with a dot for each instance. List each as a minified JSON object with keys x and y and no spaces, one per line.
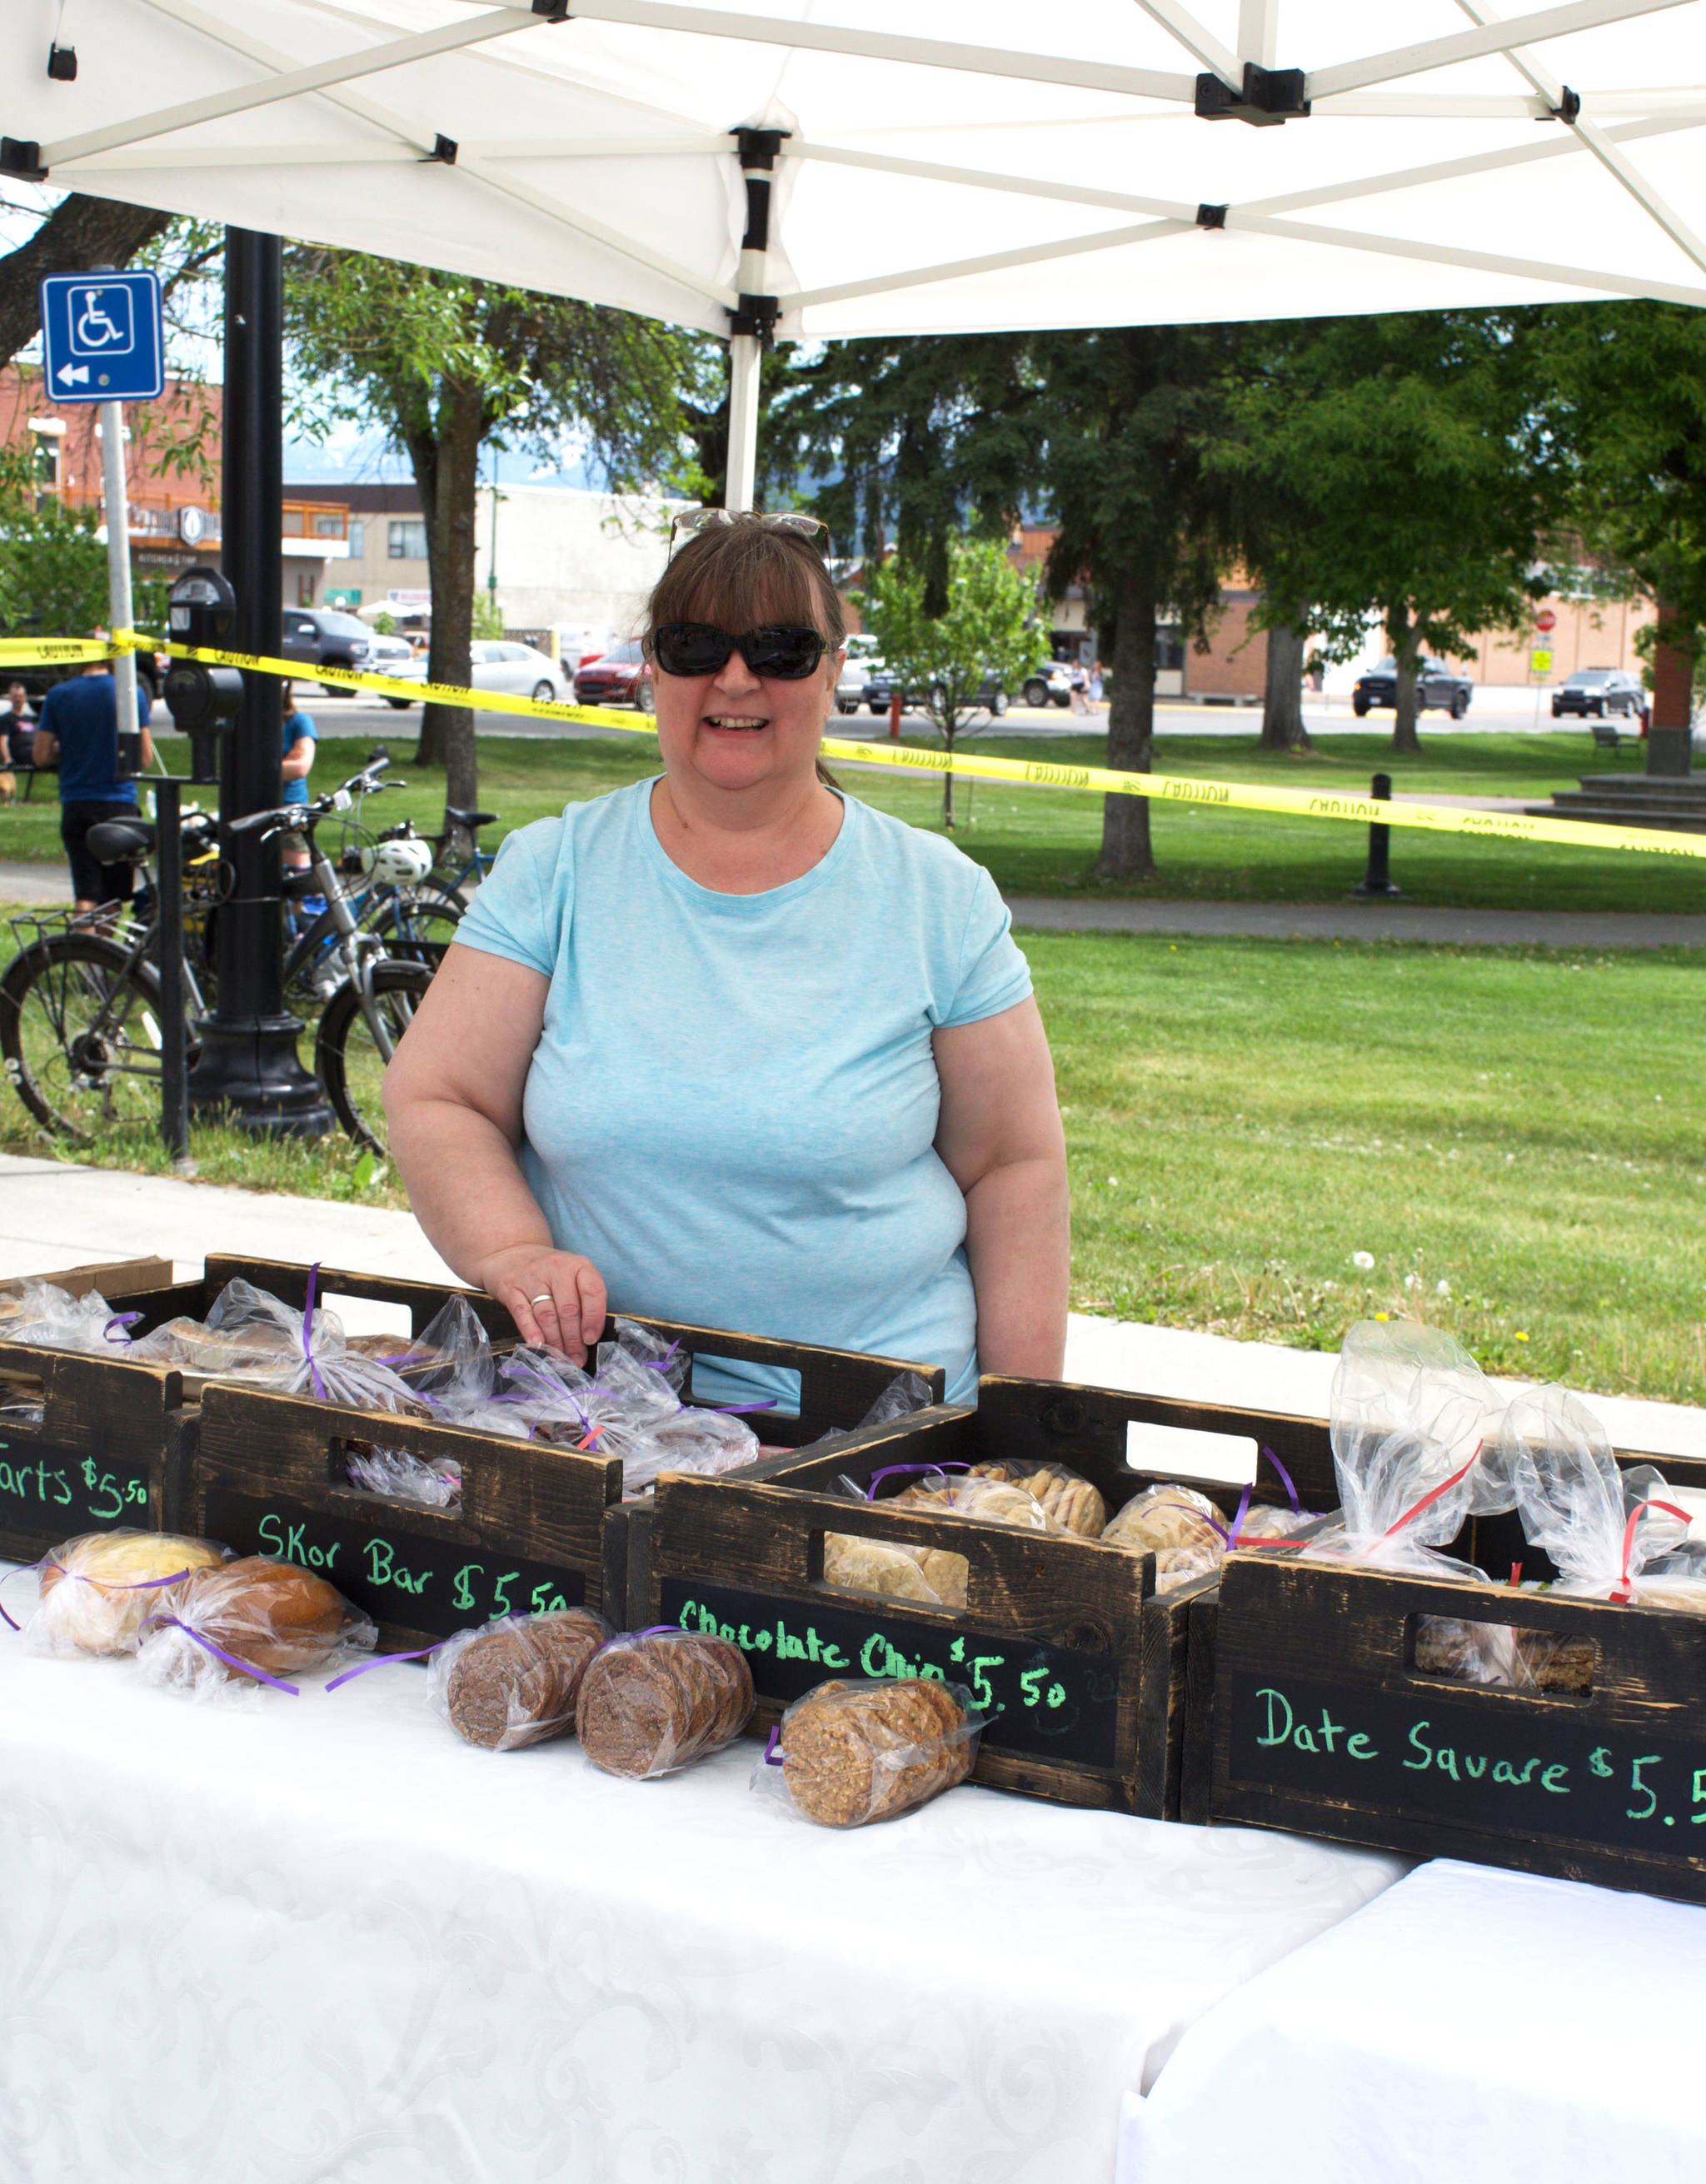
{"x":1526,"y":1127}
{"x":1044,"y":841}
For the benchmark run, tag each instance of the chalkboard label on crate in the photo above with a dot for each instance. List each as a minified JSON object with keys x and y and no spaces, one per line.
{"x":58,"y":1490}
{"x":1050,"y":1702}
{"x":1538,"y":1771}
{"x":396,"y":1575}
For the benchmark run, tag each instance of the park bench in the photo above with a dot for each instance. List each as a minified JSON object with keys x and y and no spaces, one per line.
{"x":1605,"y":734}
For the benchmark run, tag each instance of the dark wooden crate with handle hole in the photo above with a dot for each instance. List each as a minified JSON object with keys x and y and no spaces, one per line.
{"x":110,"y":1448}
{"x":1324,"y":1725}
{"x":1067,"y":1640}
{"x":837,"y":1388}
{"x":537,"y":1524}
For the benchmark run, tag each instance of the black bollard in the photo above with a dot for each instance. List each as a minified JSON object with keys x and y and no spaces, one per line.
{"x":1378,"y":879}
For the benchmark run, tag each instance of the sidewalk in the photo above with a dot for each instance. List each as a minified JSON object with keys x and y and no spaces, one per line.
{"x":53,"y":1214}
{"x":1363,"y":921}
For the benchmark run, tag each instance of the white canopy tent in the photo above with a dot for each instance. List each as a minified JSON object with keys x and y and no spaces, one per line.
{"x":911,"y":166}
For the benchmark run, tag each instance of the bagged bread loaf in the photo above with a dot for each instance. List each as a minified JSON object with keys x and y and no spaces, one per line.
{"x":255,"y":1619}
{"x":855,"y":1751}
{"x":97,"y":1590}
{"x":657,"y":1700}
{"x":517,"y":1682}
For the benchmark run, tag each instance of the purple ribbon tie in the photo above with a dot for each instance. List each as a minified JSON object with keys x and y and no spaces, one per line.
{"x":307,"y":1352}
{"x":123,"y":1321}
{"x":141,"y":1585}
{"x":772,"y":1757}
{"x":892,"y":1470}
{"x":1285,"y":1476}
{"x":230,"y":1660}
{"x":382,"y":1661}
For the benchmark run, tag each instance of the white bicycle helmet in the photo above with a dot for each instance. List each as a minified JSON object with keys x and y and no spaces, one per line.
{"x":397,"y":864}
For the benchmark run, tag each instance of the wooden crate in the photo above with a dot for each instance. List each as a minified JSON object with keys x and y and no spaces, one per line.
{"x":1323,"y":1725}
{"x":112,"y":1449}
{"x":539,"y":1524}
{"x":1067,"y":1640}
{"x":113,"y":1277}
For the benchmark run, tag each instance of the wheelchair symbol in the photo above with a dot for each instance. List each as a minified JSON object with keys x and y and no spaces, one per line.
{"x":101,"y":321}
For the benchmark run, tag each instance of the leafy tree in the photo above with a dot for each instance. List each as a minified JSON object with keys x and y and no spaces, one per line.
{"x":1406,"y":450}
{"x":988,"y":629}
{"x":1626,"y":409}
{"x":448,"y":363}
{"x":52,"y":567}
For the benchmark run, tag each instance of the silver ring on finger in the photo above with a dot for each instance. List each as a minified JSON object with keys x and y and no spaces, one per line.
{"x":546,"y":1299}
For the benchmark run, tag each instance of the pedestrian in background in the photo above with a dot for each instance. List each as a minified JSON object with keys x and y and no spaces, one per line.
{"x":301,"y":738}
{"x":79,"y":729}
{"x":1096,"y":686}
{"x":17,"y":740}
{"x":1079,"y":702}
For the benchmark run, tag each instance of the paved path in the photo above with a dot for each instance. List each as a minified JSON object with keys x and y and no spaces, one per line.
{"x":55,"y":1214}
{"x":38,"y":885}
{"x":1363,"y":921}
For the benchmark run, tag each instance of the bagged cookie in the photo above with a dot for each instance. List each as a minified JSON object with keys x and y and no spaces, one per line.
{"x":97,"y":1590}
{"x":517,"y":1681}
{"x":856,"y":1750}
{"x":1066,"y":1496}
{"x":653,"y":1701}
{"x":1167,"y":1517}
{"x":254,"y":1620}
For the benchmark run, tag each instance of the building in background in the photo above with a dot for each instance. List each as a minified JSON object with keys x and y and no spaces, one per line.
{"x":576,"y":562}
{"x":172,"y":479}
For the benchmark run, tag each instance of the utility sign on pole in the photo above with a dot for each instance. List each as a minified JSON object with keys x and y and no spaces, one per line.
{"x":101,"y":336}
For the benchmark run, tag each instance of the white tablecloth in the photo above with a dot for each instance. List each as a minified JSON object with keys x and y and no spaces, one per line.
{"x":321,"y":1941}
{"x":1472,"y":2027}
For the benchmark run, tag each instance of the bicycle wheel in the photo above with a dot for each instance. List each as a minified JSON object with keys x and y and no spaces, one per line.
{"x":417,"y":924}
{"x":79,"y":1032}
{"x":348,"y":1059}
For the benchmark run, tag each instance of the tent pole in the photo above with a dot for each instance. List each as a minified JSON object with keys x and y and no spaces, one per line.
{"x":746,"y":362}
{"x":247,"y":1067}
{"x":752,"y":323}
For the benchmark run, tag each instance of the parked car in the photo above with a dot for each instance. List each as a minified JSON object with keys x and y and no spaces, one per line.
{"x":1055,"y":683}
{"x":1438,"y":688}
{"x":861,"y":665}
{"x":517,"y":670}
{"x":879,"y":692}
{"x":391,"y":655}
{"x":1600,"y":691}
{"x":326,"y":637}
{"x":618,"y":678}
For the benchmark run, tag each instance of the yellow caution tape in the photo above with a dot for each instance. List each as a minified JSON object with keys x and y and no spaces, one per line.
{"x":39,"y":651}
{"x":1031,"y":773}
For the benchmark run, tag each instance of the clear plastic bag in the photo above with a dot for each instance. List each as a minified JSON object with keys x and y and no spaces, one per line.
{"x":650,"y":1352}
{"x":251,"y":1336}
{"x":859,"y":1749}
{"x":253,"y":1621}
{"x":1412,"y":1415}
{"x":451,"y":1360}
{"x":1066,"y":1496}
{"x":627,"y":1409}
{"x":401,"y":1475}
{"x":906,"y":1393}
{"x":97,"y":1590}
{"x":51,"y":1318}
{"x":992,"y":1501}
{"x":517,"y":1681}
{"x":1601,"y":1526}
{"x":1165,"y":1517}
{"x":654,"y":1700}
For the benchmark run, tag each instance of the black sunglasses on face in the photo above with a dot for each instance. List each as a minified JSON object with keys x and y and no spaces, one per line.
{"x":699,"y":648}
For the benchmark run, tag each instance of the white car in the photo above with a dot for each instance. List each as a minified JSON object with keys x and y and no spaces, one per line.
{"x":1054,"y":684}
{"x":515,"y":669}
{"x":391,"y":655}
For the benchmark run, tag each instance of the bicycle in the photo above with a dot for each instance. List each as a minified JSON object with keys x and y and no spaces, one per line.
{"x":80,"y":1029}
{"x":446,"y":884}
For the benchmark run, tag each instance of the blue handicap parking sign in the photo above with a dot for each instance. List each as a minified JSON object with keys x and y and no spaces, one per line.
{"x":101,"y":336}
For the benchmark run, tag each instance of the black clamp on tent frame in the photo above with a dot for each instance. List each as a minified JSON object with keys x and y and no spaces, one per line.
{"x":1267,"y":95}
{"x":758,"y":148}
{"x":1211,"y":215}
{"x":443,"y":152}
{"x":62,"y":63}
{"x":1568,"y":105}
{"x":756,"y":314}
{"x":554,"y":11}
{"x":21,"y":157}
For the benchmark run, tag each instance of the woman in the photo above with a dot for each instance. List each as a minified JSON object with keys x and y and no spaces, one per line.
{"x":301,"y":741}
{"x":729,"y":1046}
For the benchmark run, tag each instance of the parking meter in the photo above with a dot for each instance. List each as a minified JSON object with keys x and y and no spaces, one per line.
{"x":203,"y":700}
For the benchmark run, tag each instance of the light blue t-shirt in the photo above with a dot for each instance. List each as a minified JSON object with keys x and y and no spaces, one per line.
{"x":733,"y":1105}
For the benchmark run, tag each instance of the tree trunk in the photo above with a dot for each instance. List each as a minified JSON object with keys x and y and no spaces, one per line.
{"x":447,"y":471}
{"x":1401,"y":636}
{"x":1669,"y":733}
{"x":1282,"y":702}
{"x":948,"y":784}
{"x":81,"y":232}
{"x":1125,"y":848}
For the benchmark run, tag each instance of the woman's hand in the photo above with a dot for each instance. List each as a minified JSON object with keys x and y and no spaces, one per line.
{"x":555,"y":1298}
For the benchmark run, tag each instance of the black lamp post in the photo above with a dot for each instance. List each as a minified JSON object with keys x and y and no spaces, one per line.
{"x":247,"y":1063}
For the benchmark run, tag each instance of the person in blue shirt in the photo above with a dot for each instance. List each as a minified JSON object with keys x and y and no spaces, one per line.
{"x":730,"y":1047}
{"x":301,"y":738}
{"x":79,"y":731}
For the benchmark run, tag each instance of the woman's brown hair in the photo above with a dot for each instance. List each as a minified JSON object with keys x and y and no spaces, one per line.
{"x":743,"y":575}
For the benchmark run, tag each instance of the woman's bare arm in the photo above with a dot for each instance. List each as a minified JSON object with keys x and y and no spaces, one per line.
{"x":999,"y":1138}
{"x":453,"y":1100}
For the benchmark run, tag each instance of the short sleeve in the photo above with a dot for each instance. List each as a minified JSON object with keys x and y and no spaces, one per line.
{"x":520,"y":905}
{"x":993,"y":973}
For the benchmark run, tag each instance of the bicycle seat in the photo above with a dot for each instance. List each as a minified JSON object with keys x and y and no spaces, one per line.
{"x":469,"y":818}
{"x":120,"y":841}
